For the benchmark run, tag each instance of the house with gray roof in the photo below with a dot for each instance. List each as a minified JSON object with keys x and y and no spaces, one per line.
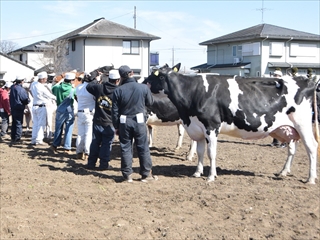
{"x":259,"y":50}
{"x":103,"y":42}
{"x":33,"y":54}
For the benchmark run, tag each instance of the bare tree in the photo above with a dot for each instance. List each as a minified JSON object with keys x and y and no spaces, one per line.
{"x":54,"y":56}
{"x":7,"y":46}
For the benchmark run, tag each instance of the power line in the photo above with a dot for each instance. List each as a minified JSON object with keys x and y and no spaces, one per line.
{"x":46,"y":34}
{"x":36,"y":35}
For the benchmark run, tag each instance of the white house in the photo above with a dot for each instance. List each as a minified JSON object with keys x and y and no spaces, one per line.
{"x":259,"y":50}
{"x":103,"y":42}
{"x":10,"y":68}
{"x":32,"y":55}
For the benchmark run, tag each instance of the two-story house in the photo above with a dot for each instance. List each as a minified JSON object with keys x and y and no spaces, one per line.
{"x":33,"y":54}
{"x":259,"y":50}
{"x":103,"y":42}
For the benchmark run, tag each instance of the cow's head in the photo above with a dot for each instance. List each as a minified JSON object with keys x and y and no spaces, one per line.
{"x":158,"y":78}
{"x":104,"y":71}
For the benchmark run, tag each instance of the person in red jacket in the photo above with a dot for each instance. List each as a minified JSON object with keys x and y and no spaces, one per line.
{"x":4,"y":109}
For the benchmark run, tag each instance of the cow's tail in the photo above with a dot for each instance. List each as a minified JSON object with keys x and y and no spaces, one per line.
{"x":315,"y":108}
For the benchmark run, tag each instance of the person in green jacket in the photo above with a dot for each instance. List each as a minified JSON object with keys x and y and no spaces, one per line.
{"x":64,"y":116}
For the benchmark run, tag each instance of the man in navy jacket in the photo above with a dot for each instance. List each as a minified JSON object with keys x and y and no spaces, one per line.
{"x":18,"y":100}
{"x":129,"y":119}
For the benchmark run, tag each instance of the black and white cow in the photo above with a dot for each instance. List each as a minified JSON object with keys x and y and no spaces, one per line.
{"x":164,"y":113}
{"x":248,"y":108}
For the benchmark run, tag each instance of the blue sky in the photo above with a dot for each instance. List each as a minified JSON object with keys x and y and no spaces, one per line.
{"x":182,"y":25}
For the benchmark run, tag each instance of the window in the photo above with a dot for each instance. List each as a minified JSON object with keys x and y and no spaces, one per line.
{"x":237,"y":50}
{"x":303,"y":49}
{"x":130,"y":47}
{"x":21,"y":57}
{"x":251,"y":49}
{"x":73,"y":45}
{"x":234,"y":51}
{"x":276,"y":48}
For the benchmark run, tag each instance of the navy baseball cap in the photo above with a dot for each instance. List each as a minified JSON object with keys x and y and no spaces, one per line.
{"x":124,"y":70}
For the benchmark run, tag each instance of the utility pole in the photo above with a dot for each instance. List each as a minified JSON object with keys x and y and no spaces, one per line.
{"x":172,"y":56}
{"x":135,"y":17}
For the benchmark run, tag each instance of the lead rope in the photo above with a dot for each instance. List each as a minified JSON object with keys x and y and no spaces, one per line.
{"x":316,"y":120}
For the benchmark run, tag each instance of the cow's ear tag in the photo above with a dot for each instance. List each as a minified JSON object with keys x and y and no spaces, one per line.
{"x":156,"y":73}
{"x":175,"y":69}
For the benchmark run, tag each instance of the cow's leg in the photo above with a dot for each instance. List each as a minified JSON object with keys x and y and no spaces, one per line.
{"x":180,"y":138}
{"x":311,"y":146}
{"x":292,"y":146}
{"x":150,"y":130}
{"x":306,"y":133}
{"x":192,"y":150}
{"x":212,"y":153}
{"x":201,"y":146}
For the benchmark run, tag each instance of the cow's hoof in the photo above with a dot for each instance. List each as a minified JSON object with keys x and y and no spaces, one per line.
{"x":311,"y":181}
{"x":283,"y":173}
{"x":210,"y":179}
{"x":196,"y":174}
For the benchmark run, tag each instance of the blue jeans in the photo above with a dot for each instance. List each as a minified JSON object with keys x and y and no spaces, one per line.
{"x":101,"y":145}
{"x":66,"y":118}
{"x":17,"y":121}
{"x":5,"y":123}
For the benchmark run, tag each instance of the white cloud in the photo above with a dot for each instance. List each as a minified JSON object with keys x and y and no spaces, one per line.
{"x":73,"y":8}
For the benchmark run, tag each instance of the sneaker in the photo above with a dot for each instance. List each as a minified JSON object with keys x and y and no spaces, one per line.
{"x":5,"y":137}
{"x":19,"y":141}
{"x":53,"y":149}
{"x":105,"y":168}
{"x":67,"y":151}
{"x":90,"y":167}
{"x":86,"y":156}
{"x":128,"y":179}
{"x":150,"y":178}
{"x":79,"y":156}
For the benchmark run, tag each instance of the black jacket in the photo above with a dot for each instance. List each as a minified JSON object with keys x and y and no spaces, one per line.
{"x":130,"y":99}
{"x":103,"y":98}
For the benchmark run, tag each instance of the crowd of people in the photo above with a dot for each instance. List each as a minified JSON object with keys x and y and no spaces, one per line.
{"x":116,"y":106}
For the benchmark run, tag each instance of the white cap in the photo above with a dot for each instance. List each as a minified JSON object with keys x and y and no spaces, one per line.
{"x":42,"y":75}
{"x":277,"y":72}
{"x":8,"y":84}
{"x":114,"y":74}
{"x":20,"y":78}
{"x":70,"y":76}
{"x":26,"y":85}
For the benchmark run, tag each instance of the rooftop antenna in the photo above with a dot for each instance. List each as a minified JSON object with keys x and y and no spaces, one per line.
{"x":135,"y":17}
{"x":262,"y":9}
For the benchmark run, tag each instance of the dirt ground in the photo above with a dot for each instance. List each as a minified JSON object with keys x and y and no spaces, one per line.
{"x":47,"y":196}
